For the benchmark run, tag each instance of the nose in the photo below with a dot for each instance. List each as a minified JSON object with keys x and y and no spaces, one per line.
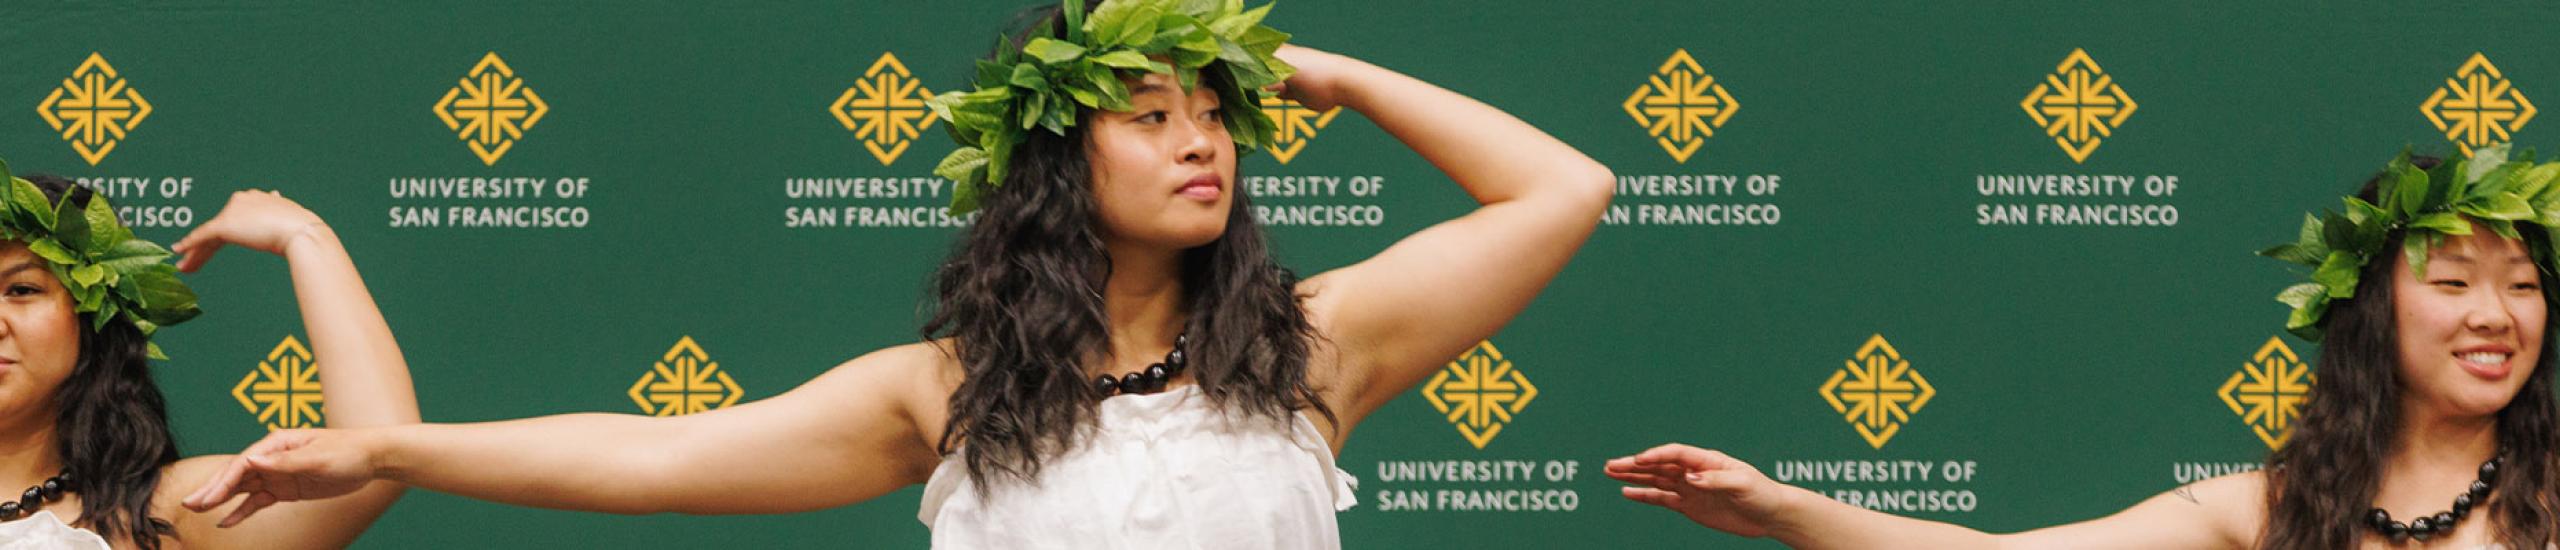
{"x":2497,"y":317}
{"x":1200,"y":140}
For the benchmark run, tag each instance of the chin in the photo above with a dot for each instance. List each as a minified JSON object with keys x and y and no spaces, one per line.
{"x":1189,"y":233}
{"x":2485,"y":401}
{"x":1191,"y":240}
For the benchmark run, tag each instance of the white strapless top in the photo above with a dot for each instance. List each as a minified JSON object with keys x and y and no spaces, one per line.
{"x":1162,"y":471}
{"x":44,"y":531}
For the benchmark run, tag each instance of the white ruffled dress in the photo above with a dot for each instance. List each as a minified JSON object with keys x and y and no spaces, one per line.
{"x":1163,"y":471}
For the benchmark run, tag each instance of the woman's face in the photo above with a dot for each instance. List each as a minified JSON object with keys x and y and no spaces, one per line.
{"x":39,"y":333}
{"x":1163,"y":171}
{"x":2471,"y":329}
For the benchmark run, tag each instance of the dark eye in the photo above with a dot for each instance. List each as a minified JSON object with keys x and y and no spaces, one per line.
{"x":2452,"y":283}
{"x":2529,"y":286}
{"x":1152,"y":117}
{"x":24,"y":289}
{"x":1214,"y":115}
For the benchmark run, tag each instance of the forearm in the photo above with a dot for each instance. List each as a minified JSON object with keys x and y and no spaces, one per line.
{"x":589,"y":461}
{"x":364,"y":380}
{"x":1496,"y":157}
{"x":1811,"y":521}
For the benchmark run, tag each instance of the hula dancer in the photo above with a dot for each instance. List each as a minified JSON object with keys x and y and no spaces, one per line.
{"x":1113,"y":360}
{"x":2432,"y":423}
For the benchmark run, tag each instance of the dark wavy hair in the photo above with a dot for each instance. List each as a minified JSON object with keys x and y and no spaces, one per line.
{"x":1021,"y":298}
{"x":2322,"y":481}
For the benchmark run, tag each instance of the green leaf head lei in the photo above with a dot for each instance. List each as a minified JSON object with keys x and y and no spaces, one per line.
{"x":2490,"y":189}
{"x":1044,"y":84}
{"x":115,"y":276}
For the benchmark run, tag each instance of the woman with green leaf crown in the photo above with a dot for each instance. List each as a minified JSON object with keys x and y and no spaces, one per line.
{"x":1113,"y":359}
{"x":2430,"y":424}
{"x":84,"y":430}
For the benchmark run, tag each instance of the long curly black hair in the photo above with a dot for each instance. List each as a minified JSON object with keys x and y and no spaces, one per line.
{"x":2322,"y":481}
{"x":113,"y":424}
{"x":1021,"y":298}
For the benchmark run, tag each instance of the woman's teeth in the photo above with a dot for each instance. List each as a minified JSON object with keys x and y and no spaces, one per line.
{"x":2485,"y":358}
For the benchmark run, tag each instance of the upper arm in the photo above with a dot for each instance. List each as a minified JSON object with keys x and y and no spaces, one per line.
{"x":1398,"y":316}
{"x":849,"y":435}
{"x":2222,"y":512}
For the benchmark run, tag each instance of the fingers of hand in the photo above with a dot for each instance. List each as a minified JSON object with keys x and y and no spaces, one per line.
{"x":257,"y":501}
{"x":1664,"y":477}
{"x":1656,"y":497}
{"x":218,"y":489}
{"x":1686,"y":456}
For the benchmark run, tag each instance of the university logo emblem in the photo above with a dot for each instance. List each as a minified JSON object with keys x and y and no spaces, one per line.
{"x":885,"y":110}
{"x":1681,"y":106}
{"x":284,"y":391}
{"x":491,"y":108}
{"x":1877,"y":391}
{"x":1479,"y":393}
{"x":1298,"y":125}
{"x":2079,"y":105}
{"x":2477,"y":107}
{"x":2268,"y":392}
{"x":684,"y":381}
{"x":94,"y":109}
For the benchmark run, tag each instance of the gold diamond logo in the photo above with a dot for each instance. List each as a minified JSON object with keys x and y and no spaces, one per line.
{"x":490,"y":108}
{"x":1877,"y":391}
{"x":2079,"y":105}
{"x":885,"y":109}
{"x":685,"y":381}
{"x":285,"y":389}
{"x":1298,"y":125}
{"x":2268,"y":392}
{"x":94,"y":109}
{"x":1681,"y":106}
{"x":1479,"y":392}
{"x":2477,"y":107}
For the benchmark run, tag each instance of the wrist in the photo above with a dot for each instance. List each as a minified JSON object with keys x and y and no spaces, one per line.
{"x":1352,"y":80}
{"x":383,"y":453}
{"x":315,"y":230}
{"x":1790,"y":511}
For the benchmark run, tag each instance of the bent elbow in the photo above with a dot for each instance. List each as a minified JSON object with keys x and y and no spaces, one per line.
{"x":1591,"y":188}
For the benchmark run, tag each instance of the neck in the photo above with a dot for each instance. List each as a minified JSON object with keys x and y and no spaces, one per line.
{"x":28,"y":452}
{"x":1144,"y":301}
{"x":2433,"y":448}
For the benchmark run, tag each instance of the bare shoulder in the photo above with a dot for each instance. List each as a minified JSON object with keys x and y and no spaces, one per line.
{"x":2249,"y":487}
{"x":916,"y":365}
{"x":2234,"y":504}
{"x":919,"y":376}
{"x":933,"y":363}
{"x":2221,"y":512}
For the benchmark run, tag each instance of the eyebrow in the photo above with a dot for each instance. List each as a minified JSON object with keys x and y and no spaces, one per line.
{"x":1148,"y":88}
{"x":22,"y":266}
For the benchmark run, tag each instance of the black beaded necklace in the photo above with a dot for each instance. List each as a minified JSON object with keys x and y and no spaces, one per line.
{"x":36,"y":497}
{"x":1152,"y":379}
{"x":2442,"y":522}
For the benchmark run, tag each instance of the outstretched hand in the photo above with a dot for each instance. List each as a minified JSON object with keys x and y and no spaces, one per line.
{"x":1711,"y":488}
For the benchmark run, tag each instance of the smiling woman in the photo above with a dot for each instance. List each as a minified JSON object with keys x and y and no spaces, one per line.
{"x":2433,"y":418}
